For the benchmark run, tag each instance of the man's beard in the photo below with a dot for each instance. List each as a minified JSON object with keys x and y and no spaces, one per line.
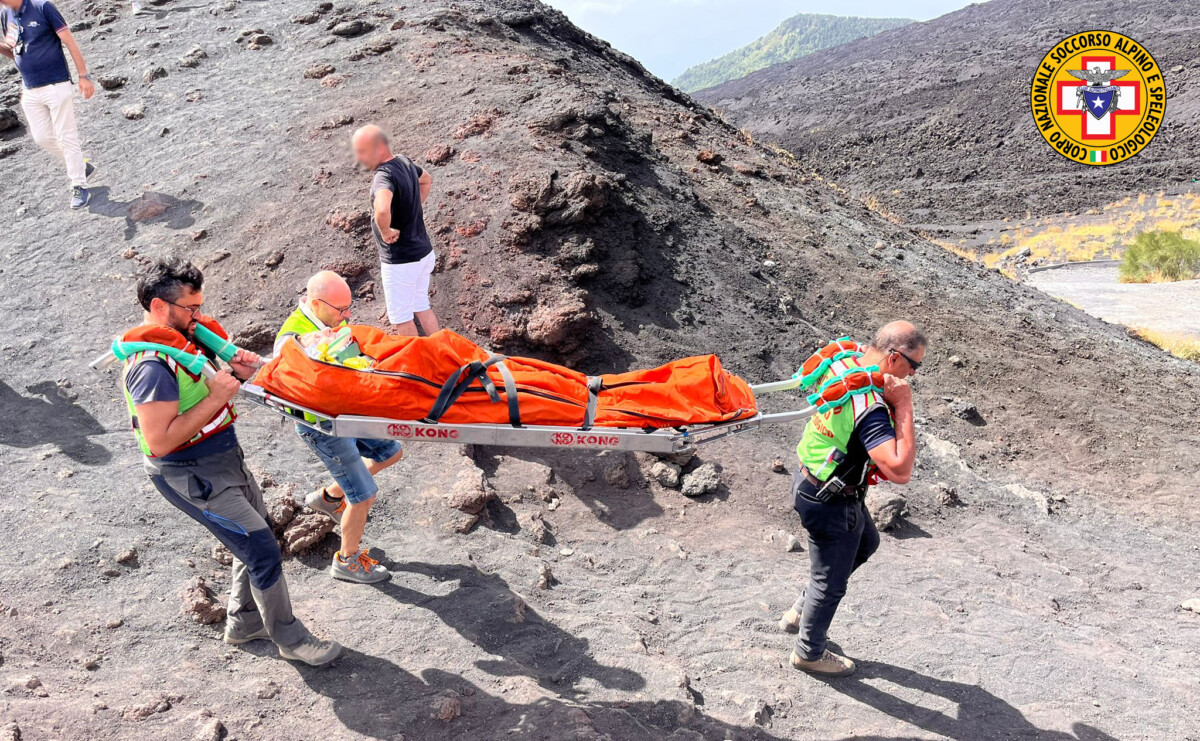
{"x":190,"y":334}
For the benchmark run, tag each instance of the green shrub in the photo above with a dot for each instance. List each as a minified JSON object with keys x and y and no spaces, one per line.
{"x":1160,"y":256}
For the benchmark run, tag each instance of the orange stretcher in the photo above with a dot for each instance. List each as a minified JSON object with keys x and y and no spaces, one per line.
{"x":445,"y":388}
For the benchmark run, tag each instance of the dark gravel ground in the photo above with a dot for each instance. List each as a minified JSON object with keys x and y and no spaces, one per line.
{"x":583,"y":216}
{"x":932,"y":120}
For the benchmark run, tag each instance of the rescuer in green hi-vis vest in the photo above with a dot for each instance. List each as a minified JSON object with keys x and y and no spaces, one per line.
{"x":183,"y":424}
{"x":326,"y":306}
{"x":866,"y":435}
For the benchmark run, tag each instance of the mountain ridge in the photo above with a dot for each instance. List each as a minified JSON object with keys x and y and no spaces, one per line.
{"x":801,"y":34}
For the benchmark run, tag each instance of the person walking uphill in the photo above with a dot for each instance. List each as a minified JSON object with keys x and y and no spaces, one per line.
{"x":33,"y":34}
{"x":184,"y":427}
{"x":864,"y":431}
{"x":325,"y":307}
{"x":398,"y":190}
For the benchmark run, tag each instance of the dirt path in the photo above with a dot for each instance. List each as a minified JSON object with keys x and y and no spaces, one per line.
{"x":1166,"y":307}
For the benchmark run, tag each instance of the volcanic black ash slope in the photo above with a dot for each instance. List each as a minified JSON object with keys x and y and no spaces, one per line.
{"x":581,"y":210}
{"x":933,"y":119}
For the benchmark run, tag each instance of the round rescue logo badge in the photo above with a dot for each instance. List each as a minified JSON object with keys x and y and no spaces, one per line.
{"x":1098,"y":97}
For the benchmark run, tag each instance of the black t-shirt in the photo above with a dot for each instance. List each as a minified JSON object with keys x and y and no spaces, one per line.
{"x":402,"y":178}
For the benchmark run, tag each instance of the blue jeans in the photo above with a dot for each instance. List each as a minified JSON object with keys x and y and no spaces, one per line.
{"x":841,"y":537}
{"x":343,"y":456}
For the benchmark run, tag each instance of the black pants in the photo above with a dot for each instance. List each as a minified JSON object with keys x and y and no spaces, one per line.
{"x":841,"y":537}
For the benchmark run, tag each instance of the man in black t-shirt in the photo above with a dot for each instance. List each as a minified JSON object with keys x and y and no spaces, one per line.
{"x":406,"y":257}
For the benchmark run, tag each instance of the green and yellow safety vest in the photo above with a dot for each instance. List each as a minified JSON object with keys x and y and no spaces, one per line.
{"x":827,"y":435}
{"x":191,"y":392}
{"x":300,"y":322}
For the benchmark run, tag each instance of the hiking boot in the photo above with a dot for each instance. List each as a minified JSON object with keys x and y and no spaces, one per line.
{"x":237,"y":637}
{"x":89,"y":168}
{"x":829,"y":665}
{"x":80,"y":196}
{"x":312,"y":651}
{"x":790,"y":622}
{"x":322,"y":502}
{"x":361,"y":569}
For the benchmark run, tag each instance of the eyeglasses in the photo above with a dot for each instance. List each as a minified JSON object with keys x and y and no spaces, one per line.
{"x":339,"y":309}
{"x":192,"y":310}
{"x":914,"y":364}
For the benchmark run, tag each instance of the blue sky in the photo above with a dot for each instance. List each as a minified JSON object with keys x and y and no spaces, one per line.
{"x":668,"y":36}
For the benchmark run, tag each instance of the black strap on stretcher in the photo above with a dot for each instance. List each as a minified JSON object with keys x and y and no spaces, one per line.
{"x":594,"y":385}
{"x":458,"y":384}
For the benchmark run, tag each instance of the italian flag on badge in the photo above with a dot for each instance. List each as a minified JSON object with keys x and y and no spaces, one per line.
{"x":1098,"y":155}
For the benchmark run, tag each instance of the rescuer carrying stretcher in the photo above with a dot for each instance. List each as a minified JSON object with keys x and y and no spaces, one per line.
{"x":862,"y":433}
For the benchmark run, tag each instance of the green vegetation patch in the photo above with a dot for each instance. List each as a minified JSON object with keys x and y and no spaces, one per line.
{"x":1161,"y":256}
{"x":797,"y":36}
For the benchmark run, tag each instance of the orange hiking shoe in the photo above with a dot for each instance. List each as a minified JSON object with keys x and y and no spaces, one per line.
{"x":361,"y":569}
{"x":320,"y":501}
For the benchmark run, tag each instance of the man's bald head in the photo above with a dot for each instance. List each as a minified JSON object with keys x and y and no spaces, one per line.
{"x":898,"y":349}
{"x":329,"y":297}
{"x":900,"y":335}
{"x":371,"y":147}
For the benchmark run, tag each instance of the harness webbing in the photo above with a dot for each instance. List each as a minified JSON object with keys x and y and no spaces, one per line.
{"x":595,"y":384}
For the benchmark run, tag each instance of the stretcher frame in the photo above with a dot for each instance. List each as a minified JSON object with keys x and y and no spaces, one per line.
{"x":663,"y":441}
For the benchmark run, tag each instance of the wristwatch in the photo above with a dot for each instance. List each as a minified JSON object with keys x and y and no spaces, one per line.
{"x":87,"y":77}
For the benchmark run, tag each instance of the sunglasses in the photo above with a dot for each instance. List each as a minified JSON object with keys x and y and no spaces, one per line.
{"x":192,"y":310}
{"x":914,"y":364}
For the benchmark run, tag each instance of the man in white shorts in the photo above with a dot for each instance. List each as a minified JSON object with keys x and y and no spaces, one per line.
{"x":406,"y":255}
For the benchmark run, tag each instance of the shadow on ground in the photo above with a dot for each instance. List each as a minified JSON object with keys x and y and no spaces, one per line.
{"x":50,"y":417}
{"x":377,"y":698}
{"x":980,"y":714}
{"x":178,"y":214}
{"x":485,"y":611}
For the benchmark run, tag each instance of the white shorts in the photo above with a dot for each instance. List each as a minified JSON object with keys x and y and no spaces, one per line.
{"x":406,"y":288}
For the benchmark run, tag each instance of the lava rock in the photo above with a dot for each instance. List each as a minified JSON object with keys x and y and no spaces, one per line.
{"x":318,"y":70}
{"x":439,"y":154}
{"x":198,"y":601}
{"x":7,"y":150}
{"x":149,"y":206}
{"x":778,"y":466}
{"x":209,"y":730}
{"x":305,"y":19}
{"x":307,"y":530}
{"x":887,"y":508}
{"x":280,"y":513}
{"x":965,"y":410}
{"x":704,"y":480}
{"x":956,"y":361}
{"x":351,"y":221}
{"x":709,"y":157}
{"x":350,"y":29}
{"x":794,"y":544}
{"x":145,"y":710}
{"x":8,"y":119}
{"x":446,"y":708}
{"x":617,"y":474}
{"x":946,"y":495}
{"x":258,"y":41}
{"x":154,"y":73}
{"x":545,"y":576}
{"x":666,"y":473}
{"x":111,"y":82}
{"x":469,"y":493}
{"x":134,"y":112}
{"x":128,"y":556}
{"x":1192,"y":605}
{"x":193,"y":58}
